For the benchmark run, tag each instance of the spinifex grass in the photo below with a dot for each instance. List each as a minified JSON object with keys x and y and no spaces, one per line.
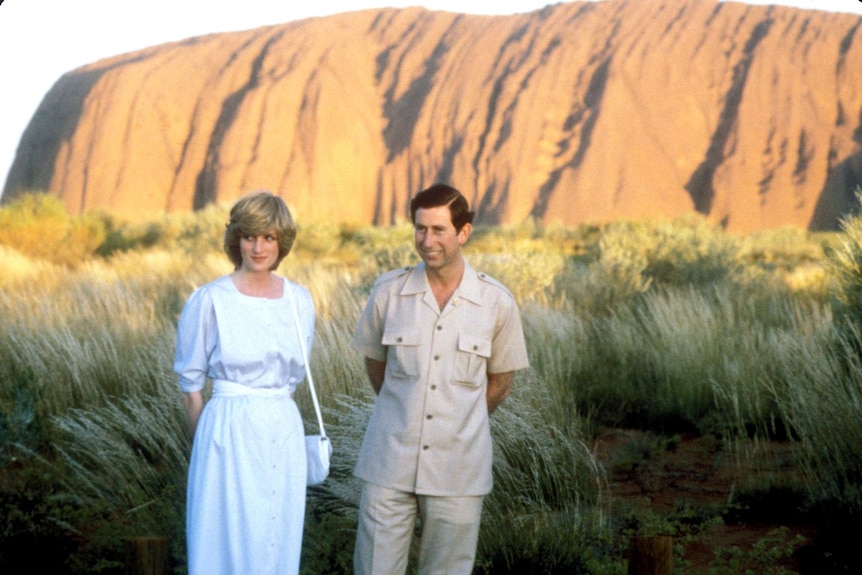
{"x":661,"y":326}
{"x":822,"y":402}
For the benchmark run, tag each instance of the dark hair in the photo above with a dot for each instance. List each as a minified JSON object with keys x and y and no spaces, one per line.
{"x":255,"y":214}
{"x":443,"y":195}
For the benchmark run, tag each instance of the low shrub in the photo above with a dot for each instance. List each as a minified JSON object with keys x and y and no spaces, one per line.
{"x":37,"y":225}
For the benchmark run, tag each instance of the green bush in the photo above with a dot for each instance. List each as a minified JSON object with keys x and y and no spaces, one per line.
{"x":845,"y":263}
{"x":764,"y":557}
{"x":197,"y":233}
{"x":37,"y":225}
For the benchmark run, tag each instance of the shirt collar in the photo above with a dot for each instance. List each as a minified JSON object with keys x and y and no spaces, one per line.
{"x":469,"y":288}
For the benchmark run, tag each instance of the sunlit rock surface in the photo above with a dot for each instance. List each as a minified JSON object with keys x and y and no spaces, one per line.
{"x":581,"y":112}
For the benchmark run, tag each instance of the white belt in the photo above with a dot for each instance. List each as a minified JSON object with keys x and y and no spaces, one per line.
{"x":224,"y":388}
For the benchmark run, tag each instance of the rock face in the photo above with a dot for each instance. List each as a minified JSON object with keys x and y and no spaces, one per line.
{"x":580,"y":112}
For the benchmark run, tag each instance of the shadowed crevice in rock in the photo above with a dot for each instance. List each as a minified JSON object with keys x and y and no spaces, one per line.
{"x":508,"y":127}
{"x":846,"y":44}
{"x":678,"y":20}
{"x":378,"y":203}
{"x":709,"y":22}
{"x":804,"y":155}
{"x":381,"y":23}
{"x":510,"y":71}
{"x":838,"y":199}
{"x":503,"y":104}
{"x":490,"y":210}
{"x":701,"y":186}
{"x":402,"y":113}
{"x":586,"y":117}
{"x":205,"y":185}
{"x":447,"y":164}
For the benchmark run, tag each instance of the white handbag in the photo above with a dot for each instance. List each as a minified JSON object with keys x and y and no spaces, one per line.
{"x":318,"y":448}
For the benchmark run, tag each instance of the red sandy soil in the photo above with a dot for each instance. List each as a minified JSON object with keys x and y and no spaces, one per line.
{"x":651,"y":473}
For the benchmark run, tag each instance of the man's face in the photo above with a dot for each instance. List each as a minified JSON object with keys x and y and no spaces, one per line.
{"x":437,"y":242}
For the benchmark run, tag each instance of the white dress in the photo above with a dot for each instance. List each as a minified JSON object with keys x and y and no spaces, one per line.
{"x":246,"y":484}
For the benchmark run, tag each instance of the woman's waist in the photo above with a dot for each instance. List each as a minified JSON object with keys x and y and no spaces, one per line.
{"x":225,"y":388}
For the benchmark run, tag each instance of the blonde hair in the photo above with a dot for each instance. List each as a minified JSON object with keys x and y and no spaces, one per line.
{"x":256,"y":214}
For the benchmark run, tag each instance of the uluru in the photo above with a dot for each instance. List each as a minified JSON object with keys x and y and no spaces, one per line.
{"x":582,"y":112}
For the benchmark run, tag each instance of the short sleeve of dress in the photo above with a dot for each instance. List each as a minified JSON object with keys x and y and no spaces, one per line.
{"x":196,"y":339}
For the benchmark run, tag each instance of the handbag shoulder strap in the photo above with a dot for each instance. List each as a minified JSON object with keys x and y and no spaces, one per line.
{"x":305,"y":358}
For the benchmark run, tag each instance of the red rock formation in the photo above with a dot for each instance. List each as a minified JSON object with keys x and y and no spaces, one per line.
{"x":578,"y":112}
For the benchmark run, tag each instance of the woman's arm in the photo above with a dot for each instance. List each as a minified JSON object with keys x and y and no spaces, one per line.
{"x":193,"y":401}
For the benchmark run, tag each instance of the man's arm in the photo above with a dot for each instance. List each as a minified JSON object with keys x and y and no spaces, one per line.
{"x":376,"y":370}
{"x":499,"y":385}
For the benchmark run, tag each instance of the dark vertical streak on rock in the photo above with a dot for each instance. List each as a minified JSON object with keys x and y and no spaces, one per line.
{"x":496,"y":193}
{"x":803,"y":159}
{"x":403,"y":113}
{"x":447,"y":164}
{"x":205,"y":185}
{"x":845,"y":45}
{"x":701,"y":186}
{"x":589,"y":116}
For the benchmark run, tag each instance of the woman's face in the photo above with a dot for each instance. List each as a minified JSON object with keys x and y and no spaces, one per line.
{"x":259,"y":253}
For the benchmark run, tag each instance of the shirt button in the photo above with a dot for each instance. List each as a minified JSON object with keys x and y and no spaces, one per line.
{"x":439,"y":327}
{"x":436,"y":357}
{"x":433,"y":387}
{"x":429,"y":417}
{"x":400,"y":339}
{"x":424,"y":448}
{"x":475,"y":347}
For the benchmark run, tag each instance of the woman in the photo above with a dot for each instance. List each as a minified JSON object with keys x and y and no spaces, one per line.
{"x":247,"y":474}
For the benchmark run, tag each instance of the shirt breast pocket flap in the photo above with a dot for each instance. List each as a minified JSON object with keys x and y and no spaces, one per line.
{"x":403,"y":345}
{"x":471,"y":360}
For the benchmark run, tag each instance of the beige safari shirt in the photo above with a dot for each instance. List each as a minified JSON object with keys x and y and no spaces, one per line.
{"x":429,"y":432}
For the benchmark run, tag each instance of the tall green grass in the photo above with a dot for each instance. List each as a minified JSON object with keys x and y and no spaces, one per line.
{"x":667,"y":326}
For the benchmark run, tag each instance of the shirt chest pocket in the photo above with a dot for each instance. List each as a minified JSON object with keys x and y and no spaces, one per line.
{"x":471,"y":360}
{"x":402,"y":358}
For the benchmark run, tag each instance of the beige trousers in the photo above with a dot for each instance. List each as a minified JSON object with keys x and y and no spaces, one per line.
{"x":387,"y":520}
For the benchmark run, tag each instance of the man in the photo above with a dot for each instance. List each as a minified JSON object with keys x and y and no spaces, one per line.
{"x":441,"y":345}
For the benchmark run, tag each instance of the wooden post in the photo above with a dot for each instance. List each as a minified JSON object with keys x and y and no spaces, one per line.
{"x":146,"y":555}
{"x":651,"y":555}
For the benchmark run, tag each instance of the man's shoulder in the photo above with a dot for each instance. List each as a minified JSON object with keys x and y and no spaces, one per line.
{"x":392,"y":275}
{"x":494,"y":283}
